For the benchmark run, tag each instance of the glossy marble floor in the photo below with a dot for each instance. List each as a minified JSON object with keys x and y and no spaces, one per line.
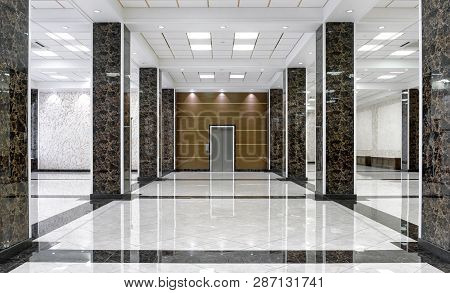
{"x":225,"y":222}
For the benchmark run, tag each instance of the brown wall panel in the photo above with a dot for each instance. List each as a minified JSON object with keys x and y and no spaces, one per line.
{"x":195,"y":112}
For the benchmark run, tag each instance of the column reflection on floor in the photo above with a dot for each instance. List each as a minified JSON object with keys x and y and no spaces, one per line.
{"x":238,"y":222}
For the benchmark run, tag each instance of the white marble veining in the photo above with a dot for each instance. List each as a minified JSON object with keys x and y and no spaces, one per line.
{"x":64,"y":130}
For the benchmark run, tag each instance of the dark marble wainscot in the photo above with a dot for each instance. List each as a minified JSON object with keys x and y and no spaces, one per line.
{"x":338,"y":76}
{"x":148,"y":124}
{"x":167,"y":131}
{"x":34,"y":128}
{"x":435,"y":234}
{"x":277,"y":147}
{"x":14,"y":229}
{"x":296,"y":124}
{"x":413,"y":130}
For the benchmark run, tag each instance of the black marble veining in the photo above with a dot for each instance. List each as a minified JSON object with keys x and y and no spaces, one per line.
{"x":413,"y":130}
{"x":436,"y":124}
{"x":319,"y":109}
{"x":34,"y":129}
{"x":148,"y":123}
{"x":339,"y":112}
{"x":107,"y":108}
{"x":277,"y":147}
{"x":14,"y":21}
{"x":296,"y":123}
{"x":167,"y":130}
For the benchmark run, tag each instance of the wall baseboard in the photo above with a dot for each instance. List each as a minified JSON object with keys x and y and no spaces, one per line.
{"x":62,"y":170}
{"x":11,"y":251}
{"x":380,"y":162}
{"x":434,"y":249}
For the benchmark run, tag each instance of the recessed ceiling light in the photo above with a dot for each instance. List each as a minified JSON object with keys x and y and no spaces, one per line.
{"x":223,"y":27}
{"x":61,"y":77}
{"x":65,"y":27}
{"x":366,"y":48}
{"x":45,"y":53}
{"x":237,"y":75}
{"x":134,"y":53}
{"x":387,"y":36}
{"x":206,"y":75}
{"x":199,"y":36}
{"x":221,"y":90}
{"x":97,"y":11}
{"x":388,"y":76}
{"x":381,"y":27}
{"x":309,"y":53}
{"x":245,"y":36}
{"x":182,"y":69}
{"x":285,"y":27}
{"x":160,"y":26}
{"x":402,"y":53}
{"x":201,"y":47}
{"x":262,"y":69}
{"x":241,"y":47}
{"x":300,"y":63}
{"x":252,"y":90}
{"x":349,"y":11}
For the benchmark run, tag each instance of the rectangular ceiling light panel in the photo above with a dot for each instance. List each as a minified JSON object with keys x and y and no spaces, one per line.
{"x":387,"y":36}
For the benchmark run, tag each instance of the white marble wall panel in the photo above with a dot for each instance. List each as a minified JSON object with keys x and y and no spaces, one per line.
{"x":379,"y":130}
{"x":311,"y":136}
{"x":65,"y":130}
{"x":135,"y":129}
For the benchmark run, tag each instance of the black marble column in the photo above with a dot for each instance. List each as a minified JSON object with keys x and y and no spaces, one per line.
{"x":277,"y":146}
{"x":14,"y":223}
{"x":111,"y":118}
{"x":148,"y":124}
{"x":435,"y":232}
{"x":296,"y":83}
{"x":167,"y":142}
{"x":410,"y":130}
{"x":34,"y":128}
{"x":335,"y":110}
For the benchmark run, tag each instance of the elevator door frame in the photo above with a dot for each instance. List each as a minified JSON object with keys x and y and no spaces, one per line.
{"x":233,"y":144}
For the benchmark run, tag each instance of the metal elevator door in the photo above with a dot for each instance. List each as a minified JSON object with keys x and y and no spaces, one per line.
{"x":222,"y":149}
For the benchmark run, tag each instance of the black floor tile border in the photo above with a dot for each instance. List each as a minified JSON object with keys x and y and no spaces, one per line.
{"x":223,"y":197}
{"x":48,"y":225}
{"x":41,"y":253}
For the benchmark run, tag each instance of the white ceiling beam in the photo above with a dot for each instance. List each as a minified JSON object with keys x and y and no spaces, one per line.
{"x":299,"y":48}
{"x":336,"y":10}
{"x":383,"y":85}
{"x":392,"y":14}
{"x":386,"y":63}
{"x":245,"y":65}
{"x":42,"y":85}
{"x":219,"y":15}
{"x":61,"y":65}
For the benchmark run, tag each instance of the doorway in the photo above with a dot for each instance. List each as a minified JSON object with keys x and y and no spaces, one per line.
{"x":221,"y":142}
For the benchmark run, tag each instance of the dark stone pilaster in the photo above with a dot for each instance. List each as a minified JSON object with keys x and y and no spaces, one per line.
{"x":296,"y":134}
{"x":148,"y":123}
{"x":276,"y":131}
{"x":167,"y":144}
{"x":335,"y":122}
{"x":14,"y":223}
{"x":410,"y":130}
{"x":110,"y":142}
{"x":34,"y":128}
{"x":435,"y":233}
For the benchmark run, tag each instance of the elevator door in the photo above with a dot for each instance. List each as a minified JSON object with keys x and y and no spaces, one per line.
{"x":222,"y":148}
